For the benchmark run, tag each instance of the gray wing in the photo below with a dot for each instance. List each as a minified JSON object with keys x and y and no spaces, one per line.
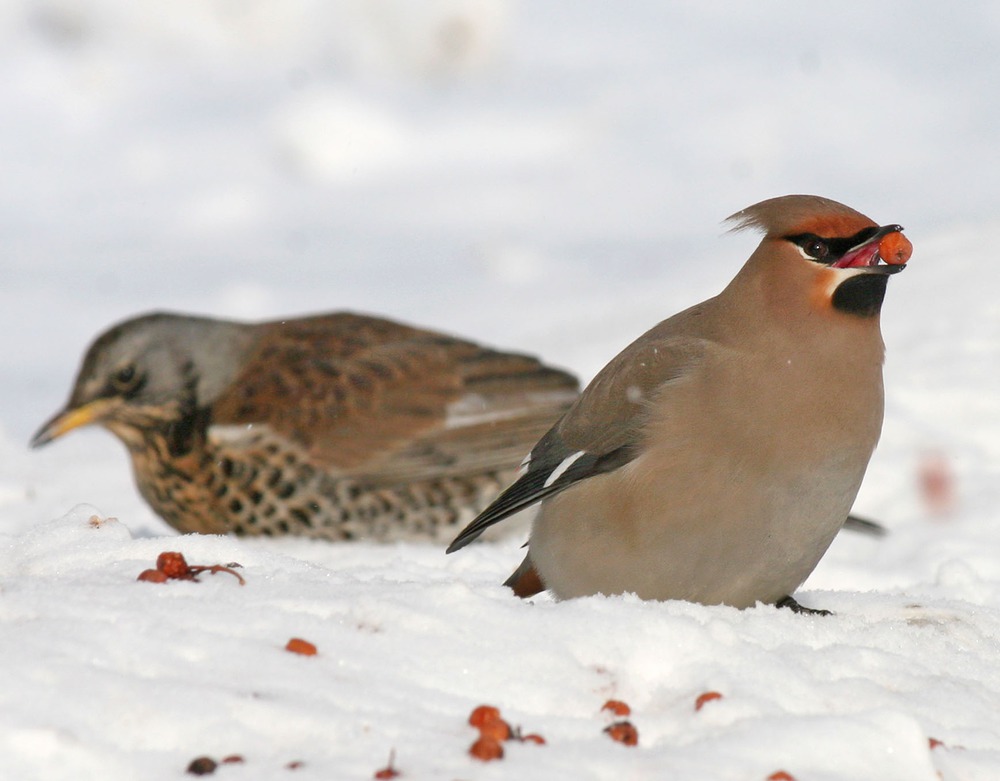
{"x":603,"y":429}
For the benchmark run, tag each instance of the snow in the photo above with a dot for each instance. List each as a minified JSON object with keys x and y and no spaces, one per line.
{"x":548,"y":177}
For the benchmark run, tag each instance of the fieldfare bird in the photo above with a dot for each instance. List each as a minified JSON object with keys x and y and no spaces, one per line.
{"x":716,"y":457}
{"x":338,"y":426}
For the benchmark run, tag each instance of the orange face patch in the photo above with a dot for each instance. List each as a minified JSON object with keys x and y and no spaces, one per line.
{"x":822,"y":288}
{"x":895,"y":249}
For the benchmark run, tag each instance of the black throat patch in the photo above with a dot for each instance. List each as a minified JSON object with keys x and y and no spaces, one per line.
{"x":861,"y":295}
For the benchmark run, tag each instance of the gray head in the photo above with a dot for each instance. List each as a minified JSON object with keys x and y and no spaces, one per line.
{"x":150,"y":371}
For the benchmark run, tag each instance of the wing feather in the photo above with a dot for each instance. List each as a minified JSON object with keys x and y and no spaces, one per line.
{"x":388,"y":403}
{"x":604,"y":429}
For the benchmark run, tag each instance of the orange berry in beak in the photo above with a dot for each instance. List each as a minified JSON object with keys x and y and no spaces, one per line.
{"x":895,"y":249}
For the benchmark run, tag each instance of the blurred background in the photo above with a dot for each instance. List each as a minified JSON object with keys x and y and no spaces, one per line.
{"x":547,"y":176}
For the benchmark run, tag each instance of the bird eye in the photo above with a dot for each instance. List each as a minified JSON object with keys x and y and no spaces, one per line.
{"x":815,"y":248}
{"x":125,"y":378}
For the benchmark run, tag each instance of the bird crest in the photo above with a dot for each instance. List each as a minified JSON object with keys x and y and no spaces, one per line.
{"x":789,"y":215}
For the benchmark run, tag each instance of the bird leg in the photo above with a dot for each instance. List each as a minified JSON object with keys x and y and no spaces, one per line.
{"x":790,"y":603}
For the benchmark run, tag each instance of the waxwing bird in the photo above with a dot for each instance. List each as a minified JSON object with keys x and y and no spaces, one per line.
{"x":339,"y":426}
{"x":716,"y":457}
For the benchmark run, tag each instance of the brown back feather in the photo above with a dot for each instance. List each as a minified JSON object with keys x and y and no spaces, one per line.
{"x":373,"y":399}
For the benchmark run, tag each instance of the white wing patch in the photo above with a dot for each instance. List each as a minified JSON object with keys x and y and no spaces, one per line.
{"x":560,"y":470}
{"x":522,"y":468}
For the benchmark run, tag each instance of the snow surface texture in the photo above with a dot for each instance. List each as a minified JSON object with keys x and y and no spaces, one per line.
{"x":544,"y":176}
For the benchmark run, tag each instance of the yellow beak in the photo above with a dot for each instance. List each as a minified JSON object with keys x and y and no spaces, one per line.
{"x":67,"y":420}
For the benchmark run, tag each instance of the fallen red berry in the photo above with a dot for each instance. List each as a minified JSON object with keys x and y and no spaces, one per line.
{"x":486,"y":749}
{"x":704,"y":698}
{"x":202,"y":766}
{"x":173,"y":565}
{"x":153,"y":576}
{"x":623,"y":732}
{"x":780,"y":775}
{"x":617,"y":707}
{"x":299,"y":646}
{"x":497,"y":729}
{"x":483,"y":714}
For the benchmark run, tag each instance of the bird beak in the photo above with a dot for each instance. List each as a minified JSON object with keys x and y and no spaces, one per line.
{"x":887,"y":244}
{"x":69,"y":419}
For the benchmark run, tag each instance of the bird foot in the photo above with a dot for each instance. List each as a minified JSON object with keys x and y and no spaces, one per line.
{"x":790,"y":603}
